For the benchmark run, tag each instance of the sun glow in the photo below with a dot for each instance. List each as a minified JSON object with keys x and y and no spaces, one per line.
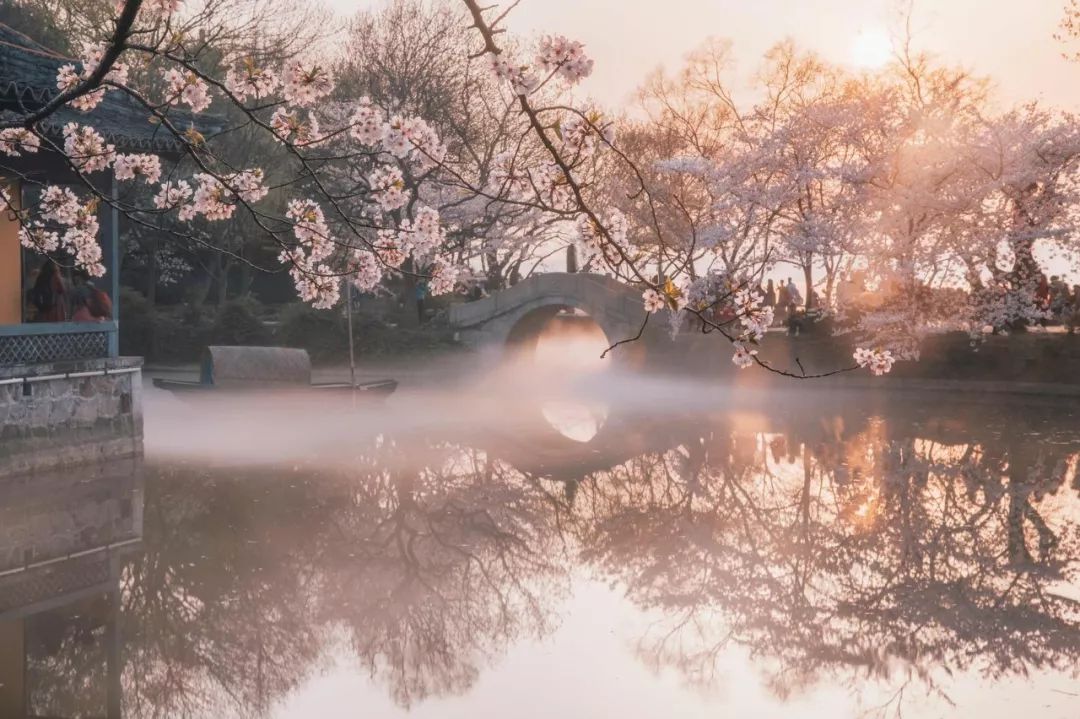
{"x":871,"y":49}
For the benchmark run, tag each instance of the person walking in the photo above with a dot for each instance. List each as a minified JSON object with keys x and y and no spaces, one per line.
{"x":770,"y":295}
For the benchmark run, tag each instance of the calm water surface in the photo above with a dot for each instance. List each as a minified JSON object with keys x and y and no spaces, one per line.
{"x":810,"y":554}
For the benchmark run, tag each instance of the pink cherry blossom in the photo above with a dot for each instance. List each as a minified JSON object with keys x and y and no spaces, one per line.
{"x":878,"y":361}
{"x":388,"y":186}
{"x":161,"y":8}
{"x":423,"y":233}
{"x":366,"y":124}
{"x":86,"y":149}
{"x":290,"y":127}
{"x":306,"y":83}
{"x":68,"y":77}
{"x":212,"y":199}
{"x":653,"y":301}
{"x":388,"y":248}
{"x":35,"y":237}
{"x":173,"y":194}
{"x":248,"y":80}
{"x":565,"y":57}
{"x":187,"y":87}
{"x":128,"y":167}
{"x":521,"y":79}
{"x":366,"y":271}
{"x":16,"y":140}
{"x":743,"y":357}
{"x":248,"y":184}
{"x":443,"y":277}
{"x":395,"y":139}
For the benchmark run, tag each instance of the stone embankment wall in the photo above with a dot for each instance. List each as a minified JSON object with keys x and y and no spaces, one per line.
{"x":64,"y":530}
{"x":67,"y":414}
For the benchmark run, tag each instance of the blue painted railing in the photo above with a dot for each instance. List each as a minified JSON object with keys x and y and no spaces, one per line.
{"x":38,"y":342}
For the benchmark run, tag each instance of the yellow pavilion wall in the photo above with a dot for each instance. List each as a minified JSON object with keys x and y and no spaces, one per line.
{"x":10,"y":267}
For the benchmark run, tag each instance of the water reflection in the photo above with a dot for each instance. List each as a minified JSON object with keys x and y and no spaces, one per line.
{"x":578,"y":421}
{"x":64,"y":538}
{"x":836,"y":544}
{"x":848,"y":547}
{"x":571,"y":344}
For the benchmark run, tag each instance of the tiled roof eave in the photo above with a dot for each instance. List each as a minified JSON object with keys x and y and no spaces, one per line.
{"x":21,"y":90}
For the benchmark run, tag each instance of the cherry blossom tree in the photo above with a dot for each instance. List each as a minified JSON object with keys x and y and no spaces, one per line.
{"x":906,"y":173}
{"x":564,"y":184}
{"x":323,"y":232}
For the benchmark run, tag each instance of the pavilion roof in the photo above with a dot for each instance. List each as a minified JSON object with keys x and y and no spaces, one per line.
{"x":28,"y":80}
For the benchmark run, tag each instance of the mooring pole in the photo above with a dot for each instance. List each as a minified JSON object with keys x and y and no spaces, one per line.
{"x":348,"y":315}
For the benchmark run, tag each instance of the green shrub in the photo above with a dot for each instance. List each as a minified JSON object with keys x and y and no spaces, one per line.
{"x":322,"y":333}
{"x":237,"y":323}
{"x":179,"y":340}
{"x":136,"y":324}
{"x":162,"y":334}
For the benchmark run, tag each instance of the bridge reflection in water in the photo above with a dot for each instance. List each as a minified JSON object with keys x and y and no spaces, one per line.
{"x":570,"y":345}
{"x":879,"y":551}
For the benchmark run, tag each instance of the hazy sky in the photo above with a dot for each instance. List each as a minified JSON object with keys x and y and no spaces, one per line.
{"x":1010,"y":41}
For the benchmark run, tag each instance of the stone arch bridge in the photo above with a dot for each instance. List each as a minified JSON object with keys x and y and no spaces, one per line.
{"x":512,"y":319}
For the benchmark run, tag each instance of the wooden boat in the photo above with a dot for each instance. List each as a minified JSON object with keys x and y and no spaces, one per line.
{"x":378,"y":389}
{"x":261,"y":369}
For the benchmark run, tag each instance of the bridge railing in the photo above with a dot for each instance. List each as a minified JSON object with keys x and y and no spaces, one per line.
{"x":587,"y":290}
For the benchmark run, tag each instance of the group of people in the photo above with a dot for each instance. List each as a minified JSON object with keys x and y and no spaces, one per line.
{"x":786,"y":301}
{"x":786,"y":298}
{"x":1056,"y":299}
{"x":53,"y":299}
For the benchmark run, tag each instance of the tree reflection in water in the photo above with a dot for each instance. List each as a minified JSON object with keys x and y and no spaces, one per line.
{"x":848,"y":547}
{"x":425,"y":562}
{"x":831,"y":544}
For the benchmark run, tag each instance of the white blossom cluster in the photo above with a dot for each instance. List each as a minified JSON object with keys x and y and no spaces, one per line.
{"x":555,"y":55}
{"x":69,"y":77}
{"x":79,"y":225}
{"x":878,"y":361}
{"x":183,"y":85}
{"x":294,"y":128}
{"x":16,"y":140}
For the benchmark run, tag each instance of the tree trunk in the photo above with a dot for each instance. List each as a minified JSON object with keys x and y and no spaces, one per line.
{"x":223,"y":282}
{"x":808,"y":275}
{"x":152,"y":273}
{"x":409,"y":310}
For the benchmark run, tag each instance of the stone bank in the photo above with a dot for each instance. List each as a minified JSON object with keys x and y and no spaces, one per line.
{"x":61,"y":414}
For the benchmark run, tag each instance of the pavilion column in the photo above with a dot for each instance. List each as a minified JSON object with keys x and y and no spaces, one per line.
{"x":110,"y":238}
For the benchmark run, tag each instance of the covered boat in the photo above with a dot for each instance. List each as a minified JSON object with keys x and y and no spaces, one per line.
{"x":246,"y":369}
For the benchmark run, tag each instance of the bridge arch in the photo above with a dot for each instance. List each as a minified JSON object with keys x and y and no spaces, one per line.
{"x":511,"y":320}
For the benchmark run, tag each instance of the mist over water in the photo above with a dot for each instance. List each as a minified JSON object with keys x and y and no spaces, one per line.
{"x":563,"y":384}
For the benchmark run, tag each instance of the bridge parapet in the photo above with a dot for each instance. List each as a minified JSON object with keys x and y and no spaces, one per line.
{"x":613,"y":305}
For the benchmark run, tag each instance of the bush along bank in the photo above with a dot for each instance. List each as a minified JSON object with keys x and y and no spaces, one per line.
{"x":178,"y":334}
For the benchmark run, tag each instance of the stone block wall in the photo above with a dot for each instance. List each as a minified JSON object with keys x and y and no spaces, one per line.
{"x":70,"y":511}
{"x":67,"y":414}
